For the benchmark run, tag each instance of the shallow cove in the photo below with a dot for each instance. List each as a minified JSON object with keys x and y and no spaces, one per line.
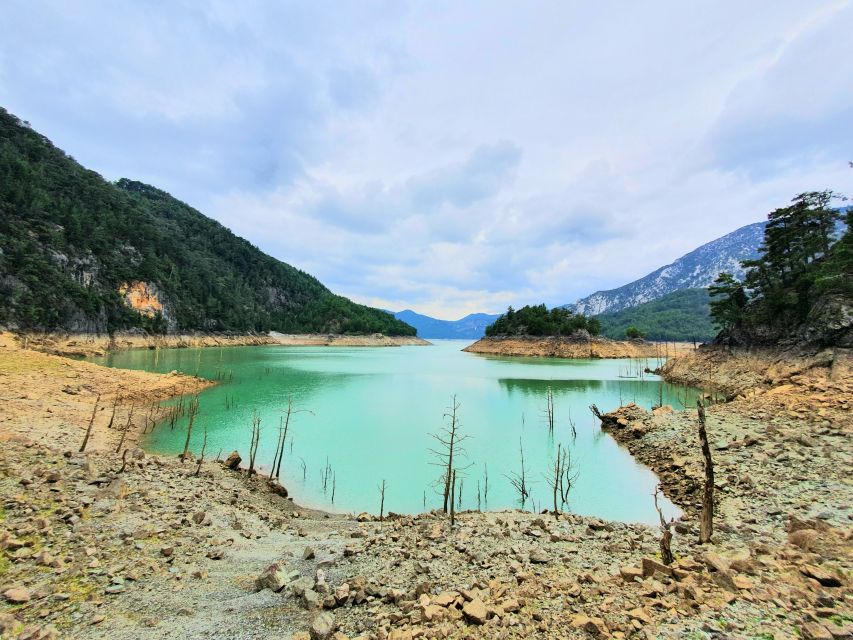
{"x":372,"y":411}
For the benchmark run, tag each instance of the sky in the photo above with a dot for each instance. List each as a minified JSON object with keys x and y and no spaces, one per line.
{"x":450,"y":157}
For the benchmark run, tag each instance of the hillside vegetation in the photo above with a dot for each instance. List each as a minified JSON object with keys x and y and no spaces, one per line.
{"x":538,"y":320}
{"x":800,"y":288}
{"x":680,"y":316}
{"x":79,"y":253}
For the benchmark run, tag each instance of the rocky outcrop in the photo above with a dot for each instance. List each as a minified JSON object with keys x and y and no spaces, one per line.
{"x":575,"y":346}
{"x":149,"y":300}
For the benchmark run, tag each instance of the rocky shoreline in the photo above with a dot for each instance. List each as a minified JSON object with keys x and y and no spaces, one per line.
{"x":573,"y":347}
{"x":101,"y":545}
{"x":88,"y":345}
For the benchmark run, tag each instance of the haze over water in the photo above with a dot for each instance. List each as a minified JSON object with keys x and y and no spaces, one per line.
{"x":372,"y":411}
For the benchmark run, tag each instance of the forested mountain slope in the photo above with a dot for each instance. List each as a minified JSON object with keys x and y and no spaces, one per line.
{"x":79,"y":253}
{"x":680,"y":316}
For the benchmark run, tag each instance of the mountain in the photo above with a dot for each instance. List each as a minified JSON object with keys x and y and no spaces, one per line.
{"x":697,"y":269}
{"x":680,"y":316}
{"x":78,"y":253}
{"x":472,"y":326}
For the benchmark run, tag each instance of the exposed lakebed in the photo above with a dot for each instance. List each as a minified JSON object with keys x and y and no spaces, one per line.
{"x":367,"y":415}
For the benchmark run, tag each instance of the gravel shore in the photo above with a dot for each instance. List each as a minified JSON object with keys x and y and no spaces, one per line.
{"x":103,"y":544}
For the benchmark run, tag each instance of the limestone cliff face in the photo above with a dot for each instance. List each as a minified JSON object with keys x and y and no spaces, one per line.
{"x":149,"y":300}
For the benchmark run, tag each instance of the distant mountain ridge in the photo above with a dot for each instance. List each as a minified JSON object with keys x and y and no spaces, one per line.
{"x":472,"y":326}
{"x":695,"y":270}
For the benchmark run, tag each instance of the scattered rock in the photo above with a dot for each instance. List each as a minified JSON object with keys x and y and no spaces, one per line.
{"x":233,"y":461}
{"x":323,"y":626}
{"x":16,"y":595}
{"x":475,"y":611}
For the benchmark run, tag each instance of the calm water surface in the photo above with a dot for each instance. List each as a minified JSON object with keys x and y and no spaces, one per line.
{"x":372,"y":411}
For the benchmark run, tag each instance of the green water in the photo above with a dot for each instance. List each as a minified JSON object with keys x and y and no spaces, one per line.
{"x":372,"y":411}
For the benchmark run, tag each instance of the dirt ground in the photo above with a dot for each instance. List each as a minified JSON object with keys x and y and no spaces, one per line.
{"x":123,"y":544}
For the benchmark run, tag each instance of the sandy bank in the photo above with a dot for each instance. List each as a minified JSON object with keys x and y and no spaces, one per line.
{"x":49,"y":398}
{"x":566,"y":347}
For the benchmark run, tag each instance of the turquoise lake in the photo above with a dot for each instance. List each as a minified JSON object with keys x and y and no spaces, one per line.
{"x":369,"y":412}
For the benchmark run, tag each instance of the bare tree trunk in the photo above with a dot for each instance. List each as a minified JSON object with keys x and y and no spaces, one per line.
{"x":123,"y":461}
{"x":126,"y":428}
{"x":486,"y":486}
{"x":201,"y":457}
{"x":665,"y":533}
{"x":448,"y":492}
{"x":193,"y":412}
{"x":91,"y":424}
{"x":453,"y":490}
{"x":253,"y":446}
{"x":556,"y":483}
{"x":283,"y":436}
{"x":115,"y":404}
{"x":447,"y":454}
{"x":706,"y":524}
{"x":381,"y":488}
{"x":519,"y":480}
{"x":549,"y":410}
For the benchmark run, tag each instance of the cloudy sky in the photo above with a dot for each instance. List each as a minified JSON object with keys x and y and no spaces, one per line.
{"x":450,"y":157}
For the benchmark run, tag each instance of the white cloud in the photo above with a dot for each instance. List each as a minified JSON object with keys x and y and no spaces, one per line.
{"x":451,"y":157}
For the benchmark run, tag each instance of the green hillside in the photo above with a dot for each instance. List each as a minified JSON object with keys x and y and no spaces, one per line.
{"x":681,"y":315}
{"x":69,"y":241}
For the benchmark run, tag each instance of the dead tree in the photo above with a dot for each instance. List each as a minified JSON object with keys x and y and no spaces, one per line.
{"x":115,"y":405}
{"x":549,"y":410}
{"x":192,"y":412}
{"x":561,"y":478}
{"x":304,"y":468}
{"x":123,"y":461}
{"x":595,"y":410}
{"x":572,"y":427}
{"x":568,"y":476}
{"x":450,"y":451}
{"x":381,"y":488}
{"x":256,"y":438}
{"x":203,"y":448}
{"x":282,"y":437}
{"x":486,"y":483}
{"x":706,"y":524}
{"x":91,"y":424}
{"x":665,"y":533}
{"x":126,"y":428}
{"x":453,"y":490}
{"x":519,"y":480}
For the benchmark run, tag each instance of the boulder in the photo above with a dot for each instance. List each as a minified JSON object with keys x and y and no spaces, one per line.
{"x":593,"y":626}
{"x":651,"y":566}
{"x":820,"y":574}
{"x":629,"y":574}
{"x":538,"y":556}
{"x":233,"y":461}
{"x":300,"y":585}
{"x":311,"y":599}
{"x":273,"y":578}
{"x":16,"y":595}
{"x":323,"y":626}
{"x":803,"y":538}
{"x":475,"y":611}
